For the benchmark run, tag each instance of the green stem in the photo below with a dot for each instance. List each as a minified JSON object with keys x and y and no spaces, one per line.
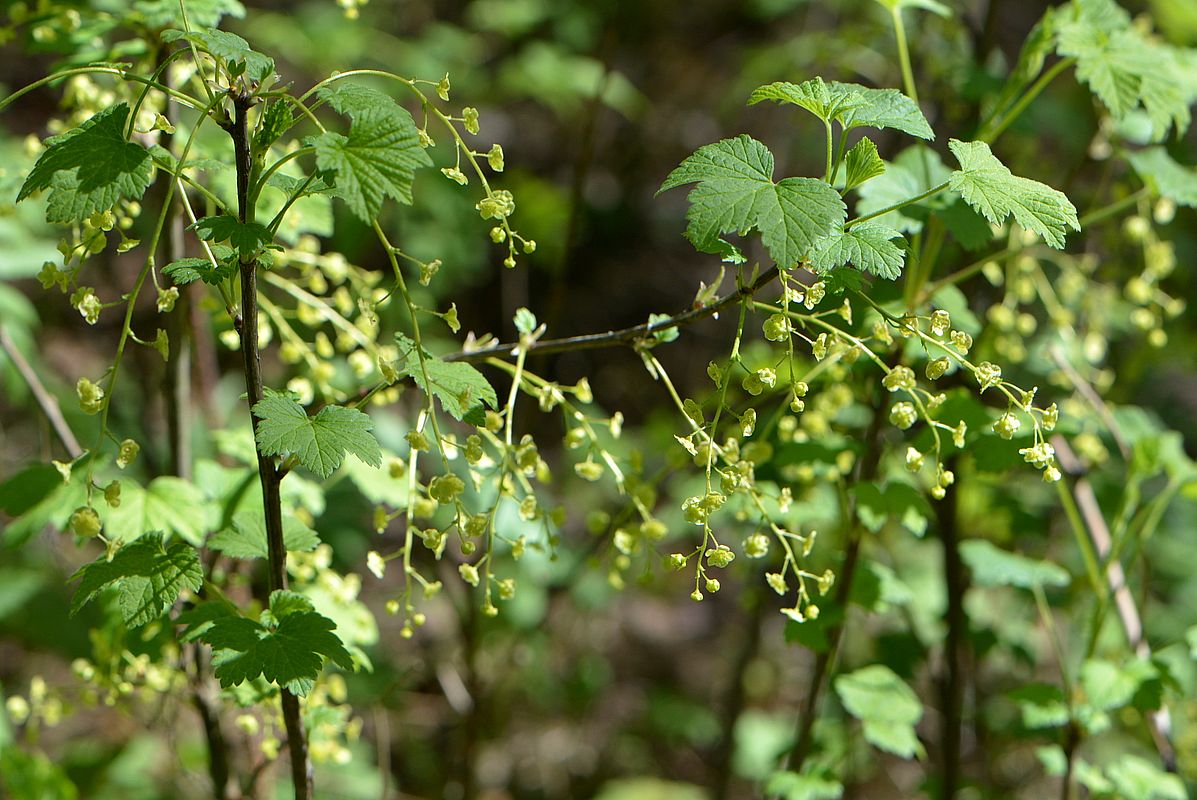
{"x":830,"y":151}
{"x":1114,"y":208}
{"x":934,"y":190}
{"x":1082,"y":538}
{"x":273,"y":168}
{"x":990,"y":131}
{"x":182,"y":97}
{"x":904,"y":54}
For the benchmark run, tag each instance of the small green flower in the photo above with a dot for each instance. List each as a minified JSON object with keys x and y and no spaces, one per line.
{"x":495,"y":158}
{"x":469,"y":116}
{"x":903,"y":415}
{"x":85,"y":522}
{"x":900,"y":377}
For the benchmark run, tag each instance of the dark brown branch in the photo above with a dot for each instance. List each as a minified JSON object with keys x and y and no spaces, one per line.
{"x":623,"y":336}
{"x":45,"y":400}
{"x":247,"y":327}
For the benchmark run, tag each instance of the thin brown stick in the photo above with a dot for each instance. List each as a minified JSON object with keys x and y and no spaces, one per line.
{"x":1160,"y":722}
{"x":44,"y":399}
{"x":623,"y":336}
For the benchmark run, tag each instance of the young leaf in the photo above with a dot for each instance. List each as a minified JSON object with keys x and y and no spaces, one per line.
{"x":319,"y":442}
{"x":992,"y":566}
{"x":888,"y":708}
{"x":378,"y":158}
{"x":90,"y":168}
{"x":289,"y":652}
{"x":1170,"y":179}
{"x":277,"y":119}
{"x":883,"y":108}
{"x":189,"y":270}
{"x":246,"y":536}
{"x":849,"y":104}
{"x":244,"y":237}
{"x":461,"y":389}
{"x":147,"y":578}
{"x":736,"y":192}
{"x":827,"y":101}
{"x":862,"y":163}
{"x":868,"y":247}
{"x":229,"y":48}
{"x":990,"y":188}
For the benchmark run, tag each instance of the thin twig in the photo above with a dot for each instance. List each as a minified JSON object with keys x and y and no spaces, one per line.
{"x":594,"y":341}
{"x":45,"y":400}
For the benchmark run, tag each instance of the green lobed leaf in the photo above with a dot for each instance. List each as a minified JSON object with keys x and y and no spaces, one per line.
{"x":888,"y":708}
{"x":967,"y":226}
{"x":792,"y":786}
{"x":189,"y":270}
{"x":867,"y":246}
{"x":246,"y":536}
{"x":289,"y":652}
{"x":320,"y":442}
{"x":172,"y":505}
{"x":1041,"y":705}
{"x":244,"y":237}
{"x":1108,"y":686}
{"x":849,"y":104}
{"x":988,"y":186}
{"x":1136,"y":778}
{"x":378,"y":158}
{"x":862,"y":164}
{"x":884,"y":108}
{"x":1167,"y":177}
{"x":992,"y":566}
{"x":1124,"y":66}
{"x":196,"y":621}
{"x":292,"y":186}
{"x":90,"y":168}
{"x":230,"y":48}
{"x":461,"y":389}
{"x":147,"y":578}
{"x":203,"y":13}
{"x":283,"y":602}
{"x":736,"y":193}
{"x":826,"y":101}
